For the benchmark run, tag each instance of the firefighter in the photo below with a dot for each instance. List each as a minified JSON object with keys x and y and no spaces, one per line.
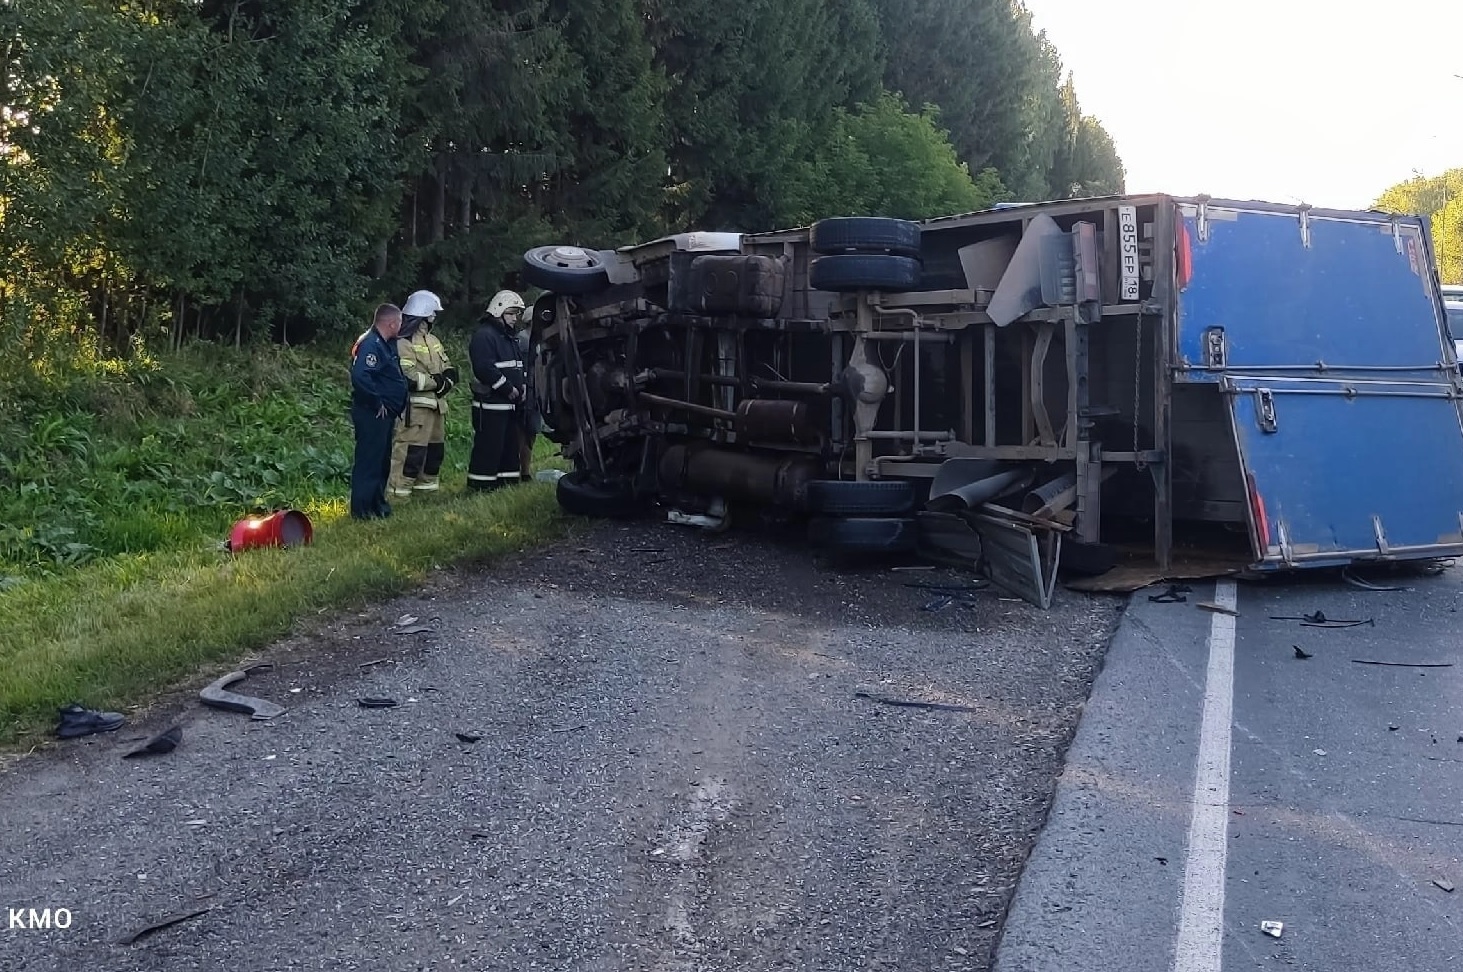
{"x":416,"y":457}
{"x":530,"y":422}
{"x":378,"y":399}
{"x":498,"y":385}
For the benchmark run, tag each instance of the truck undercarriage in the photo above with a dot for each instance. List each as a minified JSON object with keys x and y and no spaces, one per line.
{"x":990,"y":388}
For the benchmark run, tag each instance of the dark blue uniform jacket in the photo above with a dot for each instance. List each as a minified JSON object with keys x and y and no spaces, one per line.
{"x":376,"y":375}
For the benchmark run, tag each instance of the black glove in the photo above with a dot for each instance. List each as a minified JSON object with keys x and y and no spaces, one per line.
{"x":446,"y":381}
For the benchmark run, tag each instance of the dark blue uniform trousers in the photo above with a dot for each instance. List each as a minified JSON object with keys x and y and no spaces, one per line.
{"x":373,"y":463}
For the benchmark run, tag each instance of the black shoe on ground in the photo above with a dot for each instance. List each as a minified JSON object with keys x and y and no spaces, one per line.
{"x":76,"y":721}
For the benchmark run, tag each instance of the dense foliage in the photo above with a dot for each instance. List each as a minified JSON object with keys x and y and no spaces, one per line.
{"x":1441,"y":199}
{"x":230,"y":169}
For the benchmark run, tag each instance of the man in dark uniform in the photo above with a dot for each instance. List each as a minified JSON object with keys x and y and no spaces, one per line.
{"x":378,"y":398}
{"x":497,"y":394}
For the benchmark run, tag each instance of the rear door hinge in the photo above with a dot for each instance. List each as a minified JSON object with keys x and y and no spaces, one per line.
{"x":1216,"y":349}
{"x":1265,"y":410}
{"x":1305,"y":225}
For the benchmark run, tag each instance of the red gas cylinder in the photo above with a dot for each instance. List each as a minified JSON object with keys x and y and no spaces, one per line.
{"x":282,"y":528}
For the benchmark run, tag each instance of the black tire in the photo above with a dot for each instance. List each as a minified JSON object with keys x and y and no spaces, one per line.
{"x":865,"y":535}
{"x":833,"y":497}
{"x":569,"y":270}
{"x":581,"y":496}
{"x":1081,"y":559}
{"x":866,"y":234}
{"x":864,"y":271}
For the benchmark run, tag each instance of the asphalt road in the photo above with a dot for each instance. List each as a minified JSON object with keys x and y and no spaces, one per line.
{"x":674,"y":772}
{"x":1322,"y":793}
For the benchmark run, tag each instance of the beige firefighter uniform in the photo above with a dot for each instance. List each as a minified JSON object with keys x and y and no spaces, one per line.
{"x":417,"y":451}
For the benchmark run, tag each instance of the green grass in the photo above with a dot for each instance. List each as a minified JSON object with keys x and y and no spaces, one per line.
{"x":117,"y":488}
{"x":114,"y":633}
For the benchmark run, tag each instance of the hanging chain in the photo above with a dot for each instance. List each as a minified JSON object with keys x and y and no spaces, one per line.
{"x":1137,"y":385}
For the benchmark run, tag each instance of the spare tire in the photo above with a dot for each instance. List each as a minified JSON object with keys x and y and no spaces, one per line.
{"x":837,"y":497}
{"x":866,"y":234}
{"x":582,"y":496}
{"x":864,"y":271}
{"x":569,"y":270}
{"x":865,"y":535}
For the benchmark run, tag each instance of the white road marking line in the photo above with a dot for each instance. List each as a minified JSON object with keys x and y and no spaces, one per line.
{"x":1200,"y":943}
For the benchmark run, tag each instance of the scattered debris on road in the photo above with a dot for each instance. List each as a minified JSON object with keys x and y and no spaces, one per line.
{"x":1319,"y":620}
{"x":215,"y":695}
{"x":156,"y":926}
{"x":163,"y":742}
{"x":1366,"y":585}
{"x":1445,"y":885}
{"x":1174,"y":595}
{"x":1272,"y":928}
{"x":1366,"y":661}
{"x":1217,"y":608}
{"x":381,"y":703}
{"x":469,"y":737}
{"x":1301,"y":653}
{"x":903,"y":703}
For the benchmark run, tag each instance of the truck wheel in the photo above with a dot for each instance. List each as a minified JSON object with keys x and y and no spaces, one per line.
{"x":580,"y":496}
{"x":864,"y":535}
{"x":866,"y":234}
{"x":834,"y":497}
{"x":568,"y":270}
{"x":864,"y":271}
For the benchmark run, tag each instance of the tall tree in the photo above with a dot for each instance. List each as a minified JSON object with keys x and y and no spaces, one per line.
{"x":1440,"y":198}
{"x":753,"y":89}
{"x":610,"y":188}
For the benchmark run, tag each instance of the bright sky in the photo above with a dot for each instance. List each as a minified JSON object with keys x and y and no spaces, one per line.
{"x":1322,"y":101}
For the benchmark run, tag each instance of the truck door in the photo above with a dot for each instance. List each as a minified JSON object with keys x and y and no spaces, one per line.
{"x":1324,"y":332}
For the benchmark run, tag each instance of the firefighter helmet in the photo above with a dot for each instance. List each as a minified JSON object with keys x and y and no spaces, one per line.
{"x":423,"y":303}
{"x":503,"y":302}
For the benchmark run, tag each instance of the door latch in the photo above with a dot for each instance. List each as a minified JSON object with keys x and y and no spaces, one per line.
{"x":1216,"y":349}
{"x":1265,"y":410}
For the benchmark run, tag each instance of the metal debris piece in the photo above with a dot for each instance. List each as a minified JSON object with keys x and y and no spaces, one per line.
{"x":160,"y":924}
{"x":940,"y":706}
{"x":1217,"y":608}
{"x":1364,"y":661}
{"x":569,"y":729}
{"x":1272,"y":928}
{"x":1445,"y":885}
{"x":1319,"y":752}
{"x":414,"y":629}
{"x":405,"y":620}
{"x":377,"y":703}
{"x":217,"y":696}
{"x":1301,"y":653}
{"x":1365,"y":585}
{"x":1318,"y":619}
{"x":373,"y":662}
{"x":1174,"y":595}
{"x":469,"y":737}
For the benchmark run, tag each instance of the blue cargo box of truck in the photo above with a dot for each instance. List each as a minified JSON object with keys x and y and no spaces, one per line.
{"x":1325,"y":334}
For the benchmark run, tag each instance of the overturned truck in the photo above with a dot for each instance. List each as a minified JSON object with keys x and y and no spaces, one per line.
{"x":1193,"y":384}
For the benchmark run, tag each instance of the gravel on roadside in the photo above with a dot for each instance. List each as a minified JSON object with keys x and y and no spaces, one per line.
{"x":675,"y":770}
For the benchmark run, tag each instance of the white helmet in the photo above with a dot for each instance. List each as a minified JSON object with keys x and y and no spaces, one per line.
{"x":503,"y":302}
{"x":423,"y":303}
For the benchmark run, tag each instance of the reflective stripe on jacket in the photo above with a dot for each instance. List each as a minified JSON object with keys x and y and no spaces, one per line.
{"x":423,"y":358}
